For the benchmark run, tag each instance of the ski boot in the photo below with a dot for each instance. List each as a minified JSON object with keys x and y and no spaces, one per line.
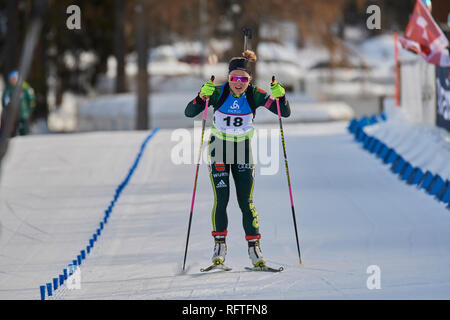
{"x":255,"y":254}
{"x":220,"y":250}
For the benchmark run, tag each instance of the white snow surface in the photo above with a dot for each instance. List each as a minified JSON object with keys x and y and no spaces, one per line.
{"x":352,"y":212}
{"x":424,"y":146}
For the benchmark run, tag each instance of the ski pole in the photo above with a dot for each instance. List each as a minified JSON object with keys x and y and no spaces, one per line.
{"x":196,"y":177}
{"x":287,"y":174}
{"x":247,"y":35}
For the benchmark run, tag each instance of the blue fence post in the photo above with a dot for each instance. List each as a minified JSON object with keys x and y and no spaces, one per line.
{"x":55,"y":284}
{"x":383,"y":152}
{"x":367,"y":141}
{"x":373,"y":119}
{"x":49,"y":289}
{"x":435,"y":185}
{"x":398,"y":164}
{"x":364,"y":121}
{"x":442,"y":191}
{"x":360,"y":135}
{"x":391,"y":156}
{"x":42,"y":289}
{"x":426,"y":180}
{"x":406,"y":171}
{"x":72,"y":267}
{"x":446,"y":194}
{"x":416,"y":176}
{"x":352,"y":125}
{"x":373,"y":145}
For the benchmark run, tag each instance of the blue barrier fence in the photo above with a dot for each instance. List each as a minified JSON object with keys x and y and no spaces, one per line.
{"x":49,"y":288}
{"x":432,"y":183}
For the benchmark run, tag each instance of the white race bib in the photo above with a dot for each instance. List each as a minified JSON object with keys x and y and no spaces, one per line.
{"x":233,"y":123}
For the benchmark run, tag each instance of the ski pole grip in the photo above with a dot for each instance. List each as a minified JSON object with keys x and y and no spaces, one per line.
{"x":278,"y":103}
{"x":207,"y":101}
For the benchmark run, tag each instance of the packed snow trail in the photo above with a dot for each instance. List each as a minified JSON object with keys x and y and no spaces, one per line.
{"x":352,"y":212}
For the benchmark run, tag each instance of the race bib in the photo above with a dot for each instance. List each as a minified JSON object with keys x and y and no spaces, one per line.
{"x":233,"y":123}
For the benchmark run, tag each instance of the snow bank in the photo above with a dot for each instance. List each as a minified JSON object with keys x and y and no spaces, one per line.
{"x":423,"y":146}
{"x":63,"y":119}
{"x":312,"y":112}
{"x":117,"y":112}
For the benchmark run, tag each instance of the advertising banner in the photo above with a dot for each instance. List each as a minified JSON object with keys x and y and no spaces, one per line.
{"x":443,"y":97}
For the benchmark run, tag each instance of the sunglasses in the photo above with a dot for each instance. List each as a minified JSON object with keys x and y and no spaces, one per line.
{"x":238,"y":79}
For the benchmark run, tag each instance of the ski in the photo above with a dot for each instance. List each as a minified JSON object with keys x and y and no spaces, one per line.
{"x":264,"y":268}
{"x":219,"y":266}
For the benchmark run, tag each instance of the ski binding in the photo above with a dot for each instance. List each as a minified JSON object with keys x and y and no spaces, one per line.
{"x":218,"y":266}
{"x":264,"y":268}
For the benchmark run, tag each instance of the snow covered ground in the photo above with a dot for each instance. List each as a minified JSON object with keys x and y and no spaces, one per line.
{"x":352,"y":213}
{"x":424,"y":146}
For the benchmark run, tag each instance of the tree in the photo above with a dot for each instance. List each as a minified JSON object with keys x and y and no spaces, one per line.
{"x":119,"y":45}
{"x":142,"y":116}
{"x":11,"y":50}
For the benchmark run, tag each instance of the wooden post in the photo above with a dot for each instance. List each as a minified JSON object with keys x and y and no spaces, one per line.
{"x":142,"y":113}
{"x":397,"y":71}
{"x":119,"y":45}
{"x":381,"y":103}
{"x":12,"y":38}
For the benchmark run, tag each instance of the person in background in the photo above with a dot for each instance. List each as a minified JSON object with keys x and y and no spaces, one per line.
{"x":26,"y":104}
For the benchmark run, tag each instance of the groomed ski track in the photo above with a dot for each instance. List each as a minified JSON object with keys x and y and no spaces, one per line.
{"x":352,"y":212}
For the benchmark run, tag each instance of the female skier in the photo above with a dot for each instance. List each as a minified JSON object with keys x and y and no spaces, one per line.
{"x":235,"y":103}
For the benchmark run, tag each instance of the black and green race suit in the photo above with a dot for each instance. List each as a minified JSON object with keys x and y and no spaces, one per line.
{"x":229,"y":152}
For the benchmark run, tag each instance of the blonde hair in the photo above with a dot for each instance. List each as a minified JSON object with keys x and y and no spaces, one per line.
{"x":241,"y":63}
{"x":249,"y":55}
